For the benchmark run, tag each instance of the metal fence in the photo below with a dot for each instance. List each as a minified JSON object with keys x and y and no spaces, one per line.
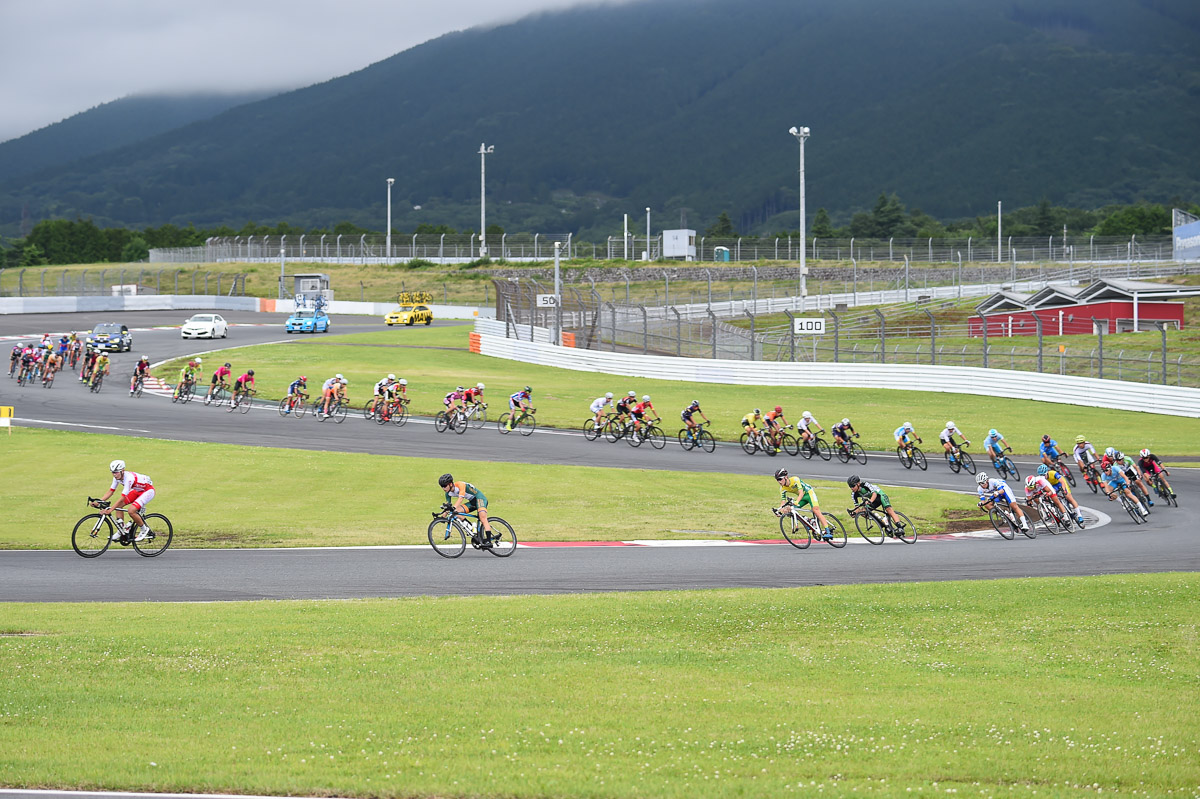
{"x":526,"y":247}
{"x":52,"y":282}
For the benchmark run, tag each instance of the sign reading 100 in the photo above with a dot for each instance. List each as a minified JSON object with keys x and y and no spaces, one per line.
{"x":808,"y":325}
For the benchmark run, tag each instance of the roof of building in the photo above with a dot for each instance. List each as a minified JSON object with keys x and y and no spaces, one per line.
{"x":1064,"y":295}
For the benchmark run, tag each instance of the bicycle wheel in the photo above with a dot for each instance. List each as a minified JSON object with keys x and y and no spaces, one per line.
{"x":858,"y":453}
{"x":188,"y":393}
{"x":748,"y":444}
{"x":501,"y":424}
{"x":1067,"y":474}
{"x":789,"y":444}
{"x":247,"y":403}
{"x":460,"y":423}
{"x":635,"y":437}
{"x":441,"y":421}
{"x":1092,"y":481}
{"x":48,"y":381}
{"x":954,"y":463}
{"x":707,"y":442}
{"x":96,"y":383}
{"x":1132,"y":510}
{"x":1002,"y":524}
{"x":1046,"y":519}
{"x":479,"y":419}
{"x":285,"y":407}
{"x":92,"y":535}
{"x":906,"y":460}
{"x":503,"y":540}
{"x":686,"y":439}
{"x":400,"y":415}
{"x":526,"y":424}
{"x":447,"y":538}
{"x":1170,"y":498}
{"x":159,"y":537}
{"x":1031,"y":532}
{"x":368,"y":410}
{"x":839,"y":531}
{"x":795,"y":530}
{"x":137,"y":388}
{"x":919,"y":459}
{"x":806,"y":449}
{"x":234,"y":402}
{"x":909,"y":533}
{"x":613,"y":430}
{"x":654,"y":435}
{"x":339,"y":412}
{"x":823,"y":449}
{"x":868,"y":527}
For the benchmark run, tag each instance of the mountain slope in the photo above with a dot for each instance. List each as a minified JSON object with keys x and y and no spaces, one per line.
{"x":685,"y":104}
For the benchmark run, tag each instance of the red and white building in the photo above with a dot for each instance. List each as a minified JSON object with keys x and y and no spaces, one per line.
{"x":1108,"y":306}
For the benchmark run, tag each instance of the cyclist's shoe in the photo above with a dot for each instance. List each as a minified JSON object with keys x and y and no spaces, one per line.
{"x":777,"y":449}
{"x":1150,"y":502}
{"x":1025,"y":525}
{"x":828,"y":534}
{"x":143,"y":533}
{"x":1173,"y":495}
{"x":1145,"y":513}
{"x":1079,"y":519}
{"x":117,"y":533}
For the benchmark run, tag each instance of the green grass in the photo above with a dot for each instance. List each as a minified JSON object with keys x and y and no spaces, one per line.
{"x":219,"y":495}
{"x":1047,"y":687}
{"x":562,"y":396}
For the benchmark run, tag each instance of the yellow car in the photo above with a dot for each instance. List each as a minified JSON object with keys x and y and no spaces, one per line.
{"x":409,"y":315}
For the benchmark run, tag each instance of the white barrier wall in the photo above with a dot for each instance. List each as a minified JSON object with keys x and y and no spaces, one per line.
{"x":209,"y":302}
{"x":1085,"y":391}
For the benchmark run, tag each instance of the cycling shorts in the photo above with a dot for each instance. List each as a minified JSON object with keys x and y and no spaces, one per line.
{"x":749,"y":425}
{"x":138,"y":499}
{"x":806,"y":498}
{"x":215,"y":379}
{"x":237,"y":385}
{"x":1006,"y":494}
{"x":1118,"y":482}
{"x":881,"y":501}
{"x":475,"y":502}
{"x":1061,"y":488}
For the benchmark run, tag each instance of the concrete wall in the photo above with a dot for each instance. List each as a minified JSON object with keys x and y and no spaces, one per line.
{"x":208,"y":302}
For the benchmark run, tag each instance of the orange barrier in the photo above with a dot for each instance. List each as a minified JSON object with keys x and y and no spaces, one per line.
{"x":266,"y":306}
{"x":568,"y":339}
{"x":474,"y":338}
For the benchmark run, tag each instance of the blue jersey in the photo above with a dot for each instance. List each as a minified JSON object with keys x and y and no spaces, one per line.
{"x":520,"y":396}
{"x":993,"y":442}
{"x":1115,"y":475}
{"x":296,"y":387}
{"x":1049,"y":450}
{"x":900,"y":431}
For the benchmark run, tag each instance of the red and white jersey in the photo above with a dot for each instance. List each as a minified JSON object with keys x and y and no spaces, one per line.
{"x":1037,"y":485}
{"x":131,"y":482}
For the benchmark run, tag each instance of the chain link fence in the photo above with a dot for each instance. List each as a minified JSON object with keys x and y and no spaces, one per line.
{"x":57,"y":282}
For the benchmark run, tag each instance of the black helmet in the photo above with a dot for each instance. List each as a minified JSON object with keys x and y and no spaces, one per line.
{"x":781,"y":474}
{"x":227,"y":364}
{"x":445,"y":480}
{"x":853,"y":480}
{"x":250,"y":372}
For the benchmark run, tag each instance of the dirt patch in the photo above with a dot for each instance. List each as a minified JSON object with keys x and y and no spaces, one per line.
{"x":964,"y":521}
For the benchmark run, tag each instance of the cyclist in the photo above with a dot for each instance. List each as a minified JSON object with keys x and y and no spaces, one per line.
{"x":218,"y":378}
{"x":1114,"y":482}
{"x":1150,"y":465}
{"x":243,"y":385}
{"x":641,"y":409}
{"x":597,"y":408}
{"x":994,"y":445}
{"x":53,"y":364}
{"x":807,"y":420}
{"x":13,"y":358}
{"x":870,"y":495}
{"x":99,"y":367}
{"x":775,"y":423}
{"x":518,"y":400}
{"x":1132,"y":474}
{"x":382,"y":391}
{"x":805,"y":495}
{"x":947,"y":438}
{"x":137,"y":490}
{"x":686,"y":415}
{"x":89,"y":362}
{"x":140,"y":372}
{"x":28,"y":362}
{"x":332,"y":390}
{"x":1061,"y":487}
{"x":1049,"y":451}
{"x":295,"y":392}
{"x":750,"y":423}
{"x":625,"y":406}
{"x":1036,"y":485}
{"x":187,"y":377}
{"x":992,"y":490}
{"x":474,"y":395}
{"x":842,"y":432}
{"x":63,"y":348}
{"x":465,"y":498}
{"x":1084,"y":453}
{"x":76,"y":347}
{"x":453,"y":402}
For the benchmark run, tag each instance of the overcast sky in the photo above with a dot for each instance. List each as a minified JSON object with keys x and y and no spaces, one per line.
{"x":60,"y":57}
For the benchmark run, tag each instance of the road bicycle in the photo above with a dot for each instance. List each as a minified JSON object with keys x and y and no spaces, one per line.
{"x":455,"y":420}
{"x":48,"y":378}
{"x":1004,"y":465}
{"x":756,"y":440}
{"x":875,"y":525}
{"x":138,"y":385}
{"x":697,"y":439}
{"x":524,"y":422}
{"x":184,"y":392}
{"x":74,"y":358}
{"x":1064,"y":470}
{"x":293,"y":405}
{"x":96,"y":382}
{"x":242,"y":400}
{"x":337,"y":410}
{"x":93,"y":533}
{"x":394,"y":411}
{"x":815,"y":445}
{"x":1051,"y":518}
{"x":1005,"y":521}
{"x":1091,"y":477}
{"x":217,"y":397}
{"x":801,"y":528}
{"x":957,"y":459}
{"x":647,"y":431}
{"x":1160,"y":488}
{"x":592,"y":431}
{"x":449,"y":532}
{"x":848,"y":450}
{"x":1129,"y":505}
{"x":476,"y":414}
{"x":910,"y":454}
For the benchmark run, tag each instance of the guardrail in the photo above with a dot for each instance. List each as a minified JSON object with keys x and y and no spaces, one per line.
{"x":208,"y":302}
{"x":1084,"y":391}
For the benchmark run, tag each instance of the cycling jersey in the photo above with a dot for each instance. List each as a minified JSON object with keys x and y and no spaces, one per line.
{"x":296,"y":387}
{"x":187,"y":374}
{"x":1040,"y":484}
{"x":221,"y":373}
{"x":329,"y":385}
{"x":864,"y":492}
{"x":1049,"y":450}
{"x":840,"y":429}
{"x":246,"y":380}
{"x":1150,"y":464}
{"x":382,"y":386}
{"x":641,"y":408}
{"x":900,"y":432}
{"x":131,"y":481}
{"x":804,"y":493}
{"x":102,"y":362}
{"x":992,"y":443}
{"x":453,"y":396}
{"x":1115,"y":476}
{"x":520,"y":396}
{"x":804,"y":423}
{"x":686,"y":413}
{"x":750,"y":419}
{"x":598,"y":404}
{"x":1084,"y":453}
{"x":473,"y":395}
{"x":623,"y":404}
{"x":471,"y":496}
{"x":996,"y":489}
{"x":948,"y":434}
{"x":142,"y":366}
{"x":1057,"y":481}
{"x":771,"y":417}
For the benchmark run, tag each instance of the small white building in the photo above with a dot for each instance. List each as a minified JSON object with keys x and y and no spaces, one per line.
{"x":679,"y":244}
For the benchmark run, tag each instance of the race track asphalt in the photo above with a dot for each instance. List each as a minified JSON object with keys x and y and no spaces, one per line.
{"x":1167,"y":543}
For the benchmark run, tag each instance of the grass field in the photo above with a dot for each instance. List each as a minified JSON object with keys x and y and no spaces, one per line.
{"x":1049,"y":687}
{"x":435,"y":360}
{"x":219,"y":495}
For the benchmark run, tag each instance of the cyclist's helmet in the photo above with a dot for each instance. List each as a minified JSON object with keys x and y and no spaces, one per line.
{"x":199,"y":361}
{"x":1080,"y":439}
{"x":994,"y":433}
{"x":445,"y":480}
{"x":846,"y":420}
{"x":338,"y":376}
{"x":1046,"y":439}
{"x":344,"y":382}
{"x":1144,"y":453}
{"x":191,"y":364}
{"x":1119,"y":455}
{"x":645,"y":398}
{"x":404,"y":381}
{"x":528,"y":389}
{"x":778,"y":409}
{"x":1043,"y":470}
{"x":806,"y":415}
{"x":631,"y":394}
{"x":1030,"y":480}
{"x":144,"y":358}
{"x":229,"y":365}
{"x":982,"y":478}
{"x":250,"y":372}
{"x":479,"y":386}
{"x":117,"y":466}
{"x":951,"y":426}
{"x":608,"y":395}
{"x":780,"y":474}
{"x":908,"y":426}
{"x":1110,"y":452}
{"x":757,"y":411}
{"x":459,"y":389}
{"x":391,"y":377}
{"x":303,"y":379}
{"x":853,"y":480}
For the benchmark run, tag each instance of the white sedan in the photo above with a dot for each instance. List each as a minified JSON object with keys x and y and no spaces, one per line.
{"x":205,"y":325}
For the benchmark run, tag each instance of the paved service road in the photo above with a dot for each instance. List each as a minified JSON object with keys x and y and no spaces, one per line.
{"x":1167,"y":543}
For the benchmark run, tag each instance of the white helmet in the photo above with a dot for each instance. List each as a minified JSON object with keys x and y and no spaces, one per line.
{"x":645,"y":398}
{"x":1145,"y":453}
{"x":981,"y":478}
{"x":117,"y":466}
{"x":199,"y":361}
{"x":339,"y":377}
{"x":632,"y":394}
{"x":403,"y":381}
{"x":908,"y":425}
{"x":608,"y":395}
{"x":344,"y":382}
{"x":807,"y":415}
{"x":391,"y":377}
{"x":951,"y":426}
{"x":1110,"y":452}
{"x":846,"y":420}
{"x":1031,"y":479}
{"x":479,"y":386}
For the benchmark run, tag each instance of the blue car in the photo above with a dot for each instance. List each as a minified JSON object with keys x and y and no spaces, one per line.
{"x":306,"y":321}
{"x":111,"y":337}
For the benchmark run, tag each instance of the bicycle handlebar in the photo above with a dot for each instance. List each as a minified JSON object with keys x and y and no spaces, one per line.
{"x":97,"y":503}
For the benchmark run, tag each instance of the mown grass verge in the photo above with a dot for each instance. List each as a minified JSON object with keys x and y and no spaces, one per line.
{"x":562,"y":396}
{"x":234,"y":496}
{"x":1060,"y":687}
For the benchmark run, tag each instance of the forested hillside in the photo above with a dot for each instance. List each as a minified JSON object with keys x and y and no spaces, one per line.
{"x":684,"y":106}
